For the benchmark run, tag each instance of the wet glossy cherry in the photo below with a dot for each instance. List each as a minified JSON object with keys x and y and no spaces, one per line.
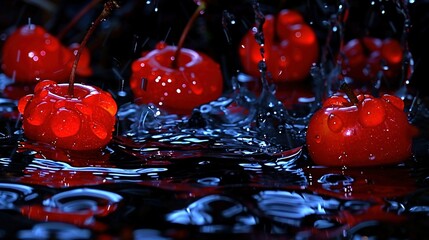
{"x":374,"y":131}
{"x":82,"y":122}
{"x":196,"y":80}
{"x":71,"y":116}
{"x":30,"y":54}
{"x":291,"y":47}
{"x":364,"y":58}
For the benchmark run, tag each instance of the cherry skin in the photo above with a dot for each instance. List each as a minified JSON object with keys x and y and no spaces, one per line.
{"x":196,"y":80}
{"x":291,"y":47}
{"x":374,"y":131}
{"x":364,"y":58}
{"x":31,"y":54}
{"x":82,"y":122}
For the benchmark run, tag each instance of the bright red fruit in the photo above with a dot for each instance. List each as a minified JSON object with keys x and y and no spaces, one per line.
{"x":31,"y":54}
{"x":374,"y":131}
{"x":291,"y":47}
{"x":82,"y":122}
{"x":364,"y":58}
{"x":196,"y":80}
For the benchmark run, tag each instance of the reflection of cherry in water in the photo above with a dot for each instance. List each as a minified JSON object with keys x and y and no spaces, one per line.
{"x":78,"y":159}
{"x":61,"y":178}
{"x":30,"y":54}
{"x":78,"y":206}
{"x":291,"y":47}
{"x":366,"y":189}
{"x":70,"y":116}
{"x":360,"y":184}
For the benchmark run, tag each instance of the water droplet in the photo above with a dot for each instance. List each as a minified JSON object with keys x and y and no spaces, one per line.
{"x":83,"y":108}
{"x":59,"y":104}
{"x":23,"y":102}
{"x":65,"y":123}
{"x":372,"y":112}
{"x":335,"y":123}
{"x":343,"y":156}
{"x":39,"y":114}
{"x":99,"y":130}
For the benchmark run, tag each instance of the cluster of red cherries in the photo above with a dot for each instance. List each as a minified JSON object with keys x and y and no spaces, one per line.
{"x":347,"y":131}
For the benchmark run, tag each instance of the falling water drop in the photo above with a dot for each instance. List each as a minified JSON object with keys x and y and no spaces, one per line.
{"x":227,"y":18}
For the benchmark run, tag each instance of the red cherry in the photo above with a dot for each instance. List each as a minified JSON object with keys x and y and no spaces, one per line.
{"x":31,"y":54}
{"x":196,"y":80}
{"x":364,"y":58}
{"x":82,"y":122}
{"x":288,"y":40}
{"x":286,"y":18}
{"x":374,"y":131}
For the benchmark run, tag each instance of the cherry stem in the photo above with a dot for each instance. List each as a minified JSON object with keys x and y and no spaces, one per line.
{"x":201,"y":7}
{"x":108,"y":7}
{"x":349,"y":92}
{"x":76,"y":18}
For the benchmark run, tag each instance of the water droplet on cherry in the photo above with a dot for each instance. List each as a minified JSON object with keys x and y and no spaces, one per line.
{"x":99,"y":130}
{"x":372,"y":112}
{"x":394,"y":100}
{"x":335,"y":123}
{"x":22,"y":103}
{"x":84,"y":109}
{"x":65,"y":123}
{"x":38,"y":114}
